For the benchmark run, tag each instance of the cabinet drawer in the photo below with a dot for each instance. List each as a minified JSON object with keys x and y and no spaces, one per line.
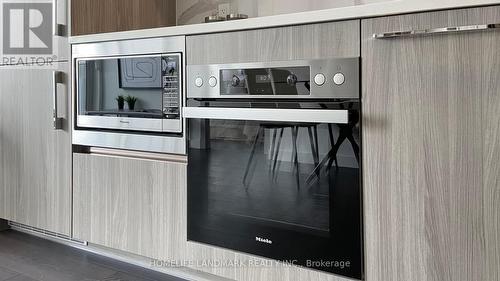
{"x":130,"y":204}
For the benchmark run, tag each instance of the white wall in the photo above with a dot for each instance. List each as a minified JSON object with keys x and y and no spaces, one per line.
{"x":194,"y":11}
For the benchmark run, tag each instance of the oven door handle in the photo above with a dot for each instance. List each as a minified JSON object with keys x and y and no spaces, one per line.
{"x":334,"y":116}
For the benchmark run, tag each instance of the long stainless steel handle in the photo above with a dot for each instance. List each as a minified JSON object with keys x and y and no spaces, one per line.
{"x":57,"y":29}
{"x":265,"y":114}
{"x":57,"y":78}
{"x":437,"y":31}
{"x":138,"y":154}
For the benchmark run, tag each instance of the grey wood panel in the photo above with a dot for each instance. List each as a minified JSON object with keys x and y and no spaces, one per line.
{"x":35,"y":160}
{"x":431,"y":149}
{"x":130,"y":204}
{"x":314,"y":41}
{"x":252,"y":267}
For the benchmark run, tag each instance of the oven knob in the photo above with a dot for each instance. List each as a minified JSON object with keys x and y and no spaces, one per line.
{"x":212,"y":81}
{"x":198,"y":82}
{"x":338,"y":78}
{"x":235,"y":81}
{"x":319,"y":79}
{"x":291,"y":79}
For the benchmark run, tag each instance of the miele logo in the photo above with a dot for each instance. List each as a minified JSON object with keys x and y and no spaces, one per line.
{"x":263,"y":240}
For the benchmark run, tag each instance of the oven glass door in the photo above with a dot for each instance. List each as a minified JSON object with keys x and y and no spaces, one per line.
{"x":129,"y":93}
{"x":284,"y":190}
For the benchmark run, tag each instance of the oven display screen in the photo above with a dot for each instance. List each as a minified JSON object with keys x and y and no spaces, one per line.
{"x":262,"y":78}
{"x":291,"y":81}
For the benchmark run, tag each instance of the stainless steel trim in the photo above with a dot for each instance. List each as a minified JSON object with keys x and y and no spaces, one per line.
{"x":120,"y":123}
{"x":124,"y":56}
{"x":138,"y":154}
{"x":44,"y":233}
{"x":57,"y":29}
{"x":265,"y":114}
{"x":129,"y":141}
{"x":173,"y":44}
{"x":57,"y":78}
{"x":171,"y":125}
{"x":437,"y":31}
{"x":329,"y":67}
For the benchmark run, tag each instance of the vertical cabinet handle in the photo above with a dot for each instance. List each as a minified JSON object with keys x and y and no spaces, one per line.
{"x":57,"y":78}
{"x":57,"y":29}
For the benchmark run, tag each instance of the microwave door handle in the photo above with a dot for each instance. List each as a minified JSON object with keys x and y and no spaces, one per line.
{"x":334,"y":116}
{"x":57,"y":78}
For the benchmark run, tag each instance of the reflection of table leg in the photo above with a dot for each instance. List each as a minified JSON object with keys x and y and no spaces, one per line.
{"x":250,"y":159}
{"x":332,"y":144}
{"x":317,"y":170}
{"x":314,"y":145}
{"x":273,"y":144}
{"x":355,"y":146}
{"x":276,"y":157}
{"x":316,"y":142}
{"x":345,"y":132}
{"x":295,"y":131}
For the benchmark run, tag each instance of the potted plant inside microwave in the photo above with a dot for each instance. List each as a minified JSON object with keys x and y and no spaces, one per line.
{"x":131,"y":102}
{"x":121,"y":102}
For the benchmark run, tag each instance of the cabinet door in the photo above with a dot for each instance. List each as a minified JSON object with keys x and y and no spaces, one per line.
{"x":131,"y":204}
{"x":35,"y":159}
{"x":431,"y":140}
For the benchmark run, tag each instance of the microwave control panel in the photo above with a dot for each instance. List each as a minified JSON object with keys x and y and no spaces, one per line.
{"x":171,"y":81}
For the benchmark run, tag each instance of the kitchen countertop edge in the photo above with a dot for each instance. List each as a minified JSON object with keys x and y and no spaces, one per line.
{"x":335,"y":14}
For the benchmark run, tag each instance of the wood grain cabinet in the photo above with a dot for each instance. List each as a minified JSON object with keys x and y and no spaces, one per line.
{"x":313,"y":41}
{"x":35,"y":159}
{"x":131,"y":204}
{"x":431,"y":142}
{"x":97,"y":16}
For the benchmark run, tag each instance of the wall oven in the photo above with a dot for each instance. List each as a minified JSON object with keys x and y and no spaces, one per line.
{"x":128,"y":94}
{"x":274,"y":161}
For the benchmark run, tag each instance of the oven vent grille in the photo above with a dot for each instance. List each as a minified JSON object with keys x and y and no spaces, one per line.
{"x":46,"y":233}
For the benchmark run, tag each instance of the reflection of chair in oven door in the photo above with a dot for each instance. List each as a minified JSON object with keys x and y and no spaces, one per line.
{"x":277,"y":131}
{"x":345,"y":133}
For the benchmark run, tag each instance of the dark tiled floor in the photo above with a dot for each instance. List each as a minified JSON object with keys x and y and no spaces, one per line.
{"x":27,"y":258}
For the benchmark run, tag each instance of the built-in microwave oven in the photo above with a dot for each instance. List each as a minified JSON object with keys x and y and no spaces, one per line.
{"x":135,"y":92}
{"x":128,"y":94}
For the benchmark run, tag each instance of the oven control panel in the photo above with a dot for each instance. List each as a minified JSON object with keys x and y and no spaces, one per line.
{"x":304,"y":79}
